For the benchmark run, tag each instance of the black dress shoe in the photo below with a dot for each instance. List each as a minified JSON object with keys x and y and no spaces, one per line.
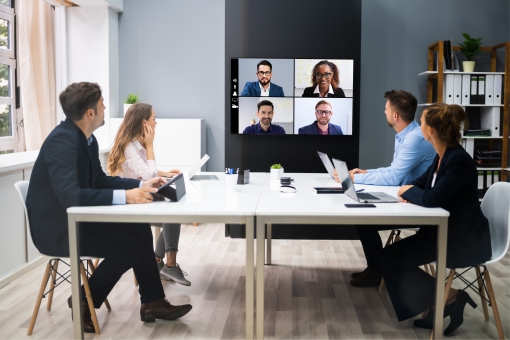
{"x":88,"y":325}
{"x":358,"y":274}
{"x":370,"y":278}
{"x":456,"y":311}
{"x":162,"y":309}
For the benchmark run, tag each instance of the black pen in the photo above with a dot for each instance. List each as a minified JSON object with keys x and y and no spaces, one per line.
{"x":360,"y":190}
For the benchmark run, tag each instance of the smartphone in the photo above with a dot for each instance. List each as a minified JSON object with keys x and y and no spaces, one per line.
{"x":359,"y":205}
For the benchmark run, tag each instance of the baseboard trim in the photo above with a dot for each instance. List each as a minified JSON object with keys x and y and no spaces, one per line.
{"x":4,"y":281}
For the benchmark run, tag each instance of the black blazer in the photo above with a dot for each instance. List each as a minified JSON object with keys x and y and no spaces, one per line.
{"x":308,"y":92}
{"x":67,"y":173}
{"x":456,"y":190}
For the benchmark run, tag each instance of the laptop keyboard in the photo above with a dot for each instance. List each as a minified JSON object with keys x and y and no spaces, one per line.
{"x":366,"y":196}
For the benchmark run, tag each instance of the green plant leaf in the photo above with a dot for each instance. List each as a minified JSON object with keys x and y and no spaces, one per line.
{"x":131,"y":99}
{"x":276,"y":166}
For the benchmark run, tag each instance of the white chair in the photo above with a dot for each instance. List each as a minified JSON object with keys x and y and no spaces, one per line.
{"x":496,"y":208}
{"x":56,"y":277}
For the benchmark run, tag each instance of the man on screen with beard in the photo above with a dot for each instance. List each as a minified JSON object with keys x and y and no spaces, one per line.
{"x":263,"y":87}
{"x":322,"y":126}
{"x":265,"y":112}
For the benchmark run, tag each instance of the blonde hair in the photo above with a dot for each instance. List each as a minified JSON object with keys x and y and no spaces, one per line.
{"x":130,"y":130}
{"x":447,"y":121}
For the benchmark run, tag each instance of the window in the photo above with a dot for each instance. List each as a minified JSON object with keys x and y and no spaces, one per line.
{"x":8,"y":123}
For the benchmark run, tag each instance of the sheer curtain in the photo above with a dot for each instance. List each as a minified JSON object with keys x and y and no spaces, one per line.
{"x":37,"y":70}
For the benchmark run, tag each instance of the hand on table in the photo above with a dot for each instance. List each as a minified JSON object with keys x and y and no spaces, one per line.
{"x":155,"y":182}
{"x":401,"y":191}
{"x":139,"y":195}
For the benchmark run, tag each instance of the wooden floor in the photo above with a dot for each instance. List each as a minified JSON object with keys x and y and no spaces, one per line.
{"x":308,"y":296}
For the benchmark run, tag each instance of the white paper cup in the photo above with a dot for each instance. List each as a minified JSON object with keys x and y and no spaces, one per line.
{"x":231,"y":181}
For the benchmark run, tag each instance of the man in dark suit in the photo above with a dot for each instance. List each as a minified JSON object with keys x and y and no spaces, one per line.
{"x":263,"y":87}
{"x":322,"y":126}
{"x":68,"y":173}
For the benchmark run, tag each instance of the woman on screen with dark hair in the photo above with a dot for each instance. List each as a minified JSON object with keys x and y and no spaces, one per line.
{"x":451,"y":183}
{"x":326,"y":80}
{"x":132,"y":156}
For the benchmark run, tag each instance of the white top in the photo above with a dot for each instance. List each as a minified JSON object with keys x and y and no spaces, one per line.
{"x":136,"y":165}
{"x":264,"y":93}
{"x":329,"y":91}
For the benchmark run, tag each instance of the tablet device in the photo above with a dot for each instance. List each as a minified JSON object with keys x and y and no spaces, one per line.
{"x":171,"y":180}
{"x":359,"y":205}
{"x":169,"y":192}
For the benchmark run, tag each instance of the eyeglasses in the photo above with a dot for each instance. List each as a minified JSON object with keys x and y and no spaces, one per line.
{"x":323,"y":112}
{"x":325,"y":75}
{"x":261,"y":73}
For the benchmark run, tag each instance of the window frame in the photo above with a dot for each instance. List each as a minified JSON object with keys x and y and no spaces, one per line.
{"x":10,"y":142}
{"x":8,"y":53}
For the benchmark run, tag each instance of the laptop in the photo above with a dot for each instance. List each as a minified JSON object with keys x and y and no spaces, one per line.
{"x":197,"y":168}
{"x":327,"y":163}
{"x":362,"y":197}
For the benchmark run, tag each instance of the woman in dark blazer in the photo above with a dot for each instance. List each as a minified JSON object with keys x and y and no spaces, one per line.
{"x":325,"y":79}
{"x":451,"y":183}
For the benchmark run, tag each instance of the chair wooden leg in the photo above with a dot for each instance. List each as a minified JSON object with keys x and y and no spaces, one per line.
{"x":481,"y":291}
{"x":495,"y":311}
{"x":44,"y":283}
{"x":89,"y":298}
{"x":432,"y":270}
{"x":96,"y":262}
{"x":390,"y":240}
{"x":92,"y":270}
{"x":426,"y":267}
{"x":52,"y":284}
{"x":195,"y":224}
{"x":448,"y":285}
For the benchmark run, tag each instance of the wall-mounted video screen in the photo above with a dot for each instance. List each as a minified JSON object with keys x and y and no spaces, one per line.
{"x":270,"y":96}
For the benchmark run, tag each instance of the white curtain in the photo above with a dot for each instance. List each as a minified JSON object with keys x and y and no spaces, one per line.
{"x":36,"y":61}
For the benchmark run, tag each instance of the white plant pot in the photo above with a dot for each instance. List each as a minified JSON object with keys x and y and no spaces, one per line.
{"x":126,"y":107}
{"x":468,"y":66}
{"x":276,"y":173}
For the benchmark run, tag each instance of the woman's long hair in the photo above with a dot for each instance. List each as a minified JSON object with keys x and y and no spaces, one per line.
{"x":130,"y":130}
{"x":335,"y":77}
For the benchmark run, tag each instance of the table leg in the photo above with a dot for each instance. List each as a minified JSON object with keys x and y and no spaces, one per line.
{"x":260,"y":277}
{"x":74,"y":254}
{"x":269,"y":242}
{"x":250,"y":292}
{"x":442,"y":238}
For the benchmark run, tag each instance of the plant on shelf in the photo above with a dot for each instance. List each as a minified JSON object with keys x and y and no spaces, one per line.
{"x":470,"y":47}
{"x":276,"y":171}
{"x":130,"y":100}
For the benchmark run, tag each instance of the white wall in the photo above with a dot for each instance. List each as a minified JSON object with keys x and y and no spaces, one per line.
{"x":92,"y":43}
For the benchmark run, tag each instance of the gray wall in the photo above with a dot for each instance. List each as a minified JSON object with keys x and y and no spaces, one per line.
{"x":172,"y":54}
{"x":395,"y":36}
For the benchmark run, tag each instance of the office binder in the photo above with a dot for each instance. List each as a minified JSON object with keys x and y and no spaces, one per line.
{"x":457,"y":89}
{"x":473,"y":99}
{"x":498,"y":80}
{"x":489,"y":119}
{"x":447,"y":54}
{"x":448,"y":89}
{"x":489,"y":89}
{"x":469,"y":145}
{"x":481,"y":89}
{"x":466,"y":89}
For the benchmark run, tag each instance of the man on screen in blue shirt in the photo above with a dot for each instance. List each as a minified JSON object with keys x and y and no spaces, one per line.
{"x":412,"y":156}
{"x":265,"y":112}
{"x":263,"y":87}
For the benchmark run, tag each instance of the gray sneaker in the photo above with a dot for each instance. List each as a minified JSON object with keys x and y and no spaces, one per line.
{"x":161,"y":264}
{"x":176,"y":274}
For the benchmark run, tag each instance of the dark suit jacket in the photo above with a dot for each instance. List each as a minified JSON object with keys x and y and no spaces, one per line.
{"x":252,"y":89}
{"x":456,"y":190}
{"x":313,"y":129}
{"x":308,"y":92}
{"x":67,"y":173}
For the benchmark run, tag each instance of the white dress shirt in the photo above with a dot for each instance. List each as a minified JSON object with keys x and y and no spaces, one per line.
{"x":329,"y":91}
{"x":136,"y":165}
{"x":264,"y":93}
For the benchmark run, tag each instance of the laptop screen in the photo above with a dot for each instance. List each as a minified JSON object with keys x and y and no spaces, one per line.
{"x":198,"y":166}
{"x":345,"y":178}
{"x":327,"y":163}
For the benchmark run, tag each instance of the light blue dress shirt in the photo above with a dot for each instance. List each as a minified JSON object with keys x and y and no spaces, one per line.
{"x":119,"y":196}
{"x":413,"y":156}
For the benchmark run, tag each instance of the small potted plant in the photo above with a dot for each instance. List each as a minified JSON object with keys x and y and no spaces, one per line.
{"x":470,"y":47}
{"x":130,"y":100}
{"x":276,"y":171}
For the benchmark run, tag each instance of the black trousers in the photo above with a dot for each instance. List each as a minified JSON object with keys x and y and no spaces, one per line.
{"x":371,"y":241}
{"x":122,"y":246}
{"x":410,"y":288}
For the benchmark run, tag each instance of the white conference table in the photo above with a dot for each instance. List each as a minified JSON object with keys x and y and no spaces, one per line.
{"x":306,"y":207}
{"x":205,"y":201}
{"x":261,"y":200}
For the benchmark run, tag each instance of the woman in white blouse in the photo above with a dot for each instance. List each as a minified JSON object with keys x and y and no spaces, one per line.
{"x":132,"y":156}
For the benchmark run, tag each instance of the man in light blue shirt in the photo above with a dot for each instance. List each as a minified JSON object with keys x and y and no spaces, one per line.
{"x":413,"y":155}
